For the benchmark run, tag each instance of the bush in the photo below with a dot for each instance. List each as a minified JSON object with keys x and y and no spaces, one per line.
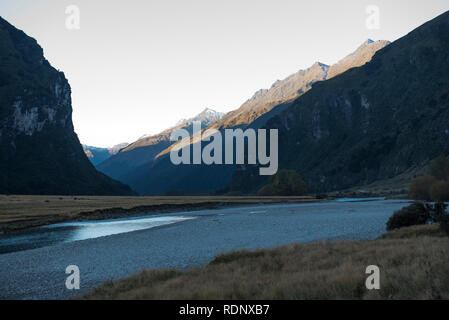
{"x":440,"y":191}
{"x":437,"y":211}
{"x":420,"y":189}
{"x":415,"y":214}
{"x":418,"y":214}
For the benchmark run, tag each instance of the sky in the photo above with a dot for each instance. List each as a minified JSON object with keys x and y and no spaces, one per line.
{"x":138,"y":66}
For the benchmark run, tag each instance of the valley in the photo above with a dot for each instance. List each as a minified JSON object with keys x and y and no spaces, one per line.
{"x":354,"y":175}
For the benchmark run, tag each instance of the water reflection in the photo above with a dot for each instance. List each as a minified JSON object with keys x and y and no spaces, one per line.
{"x":74,"y":231}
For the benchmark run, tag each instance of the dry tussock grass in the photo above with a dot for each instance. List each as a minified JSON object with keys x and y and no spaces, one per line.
{"x":411,"y":268}
{"x":21,"y":211}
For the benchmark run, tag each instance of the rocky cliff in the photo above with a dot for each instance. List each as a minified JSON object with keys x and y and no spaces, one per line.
{"x":39,"y":150}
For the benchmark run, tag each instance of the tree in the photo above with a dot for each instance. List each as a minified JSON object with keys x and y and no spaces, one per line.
{"x":420,"y":189}
{"x":440,"y":168}
{"x":434,"y":186}
{"x":285,"y":183}
{"x":440,"y":191}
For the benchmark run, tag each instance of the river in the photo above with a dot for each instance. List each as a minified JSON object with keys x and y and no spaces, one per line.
{"x":33,"y":263}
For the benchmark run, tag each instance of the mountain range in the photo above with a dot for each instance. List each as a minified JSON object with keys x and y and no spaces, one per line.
{"x":297,"y":84}
{"x":379,"y":112}
{"x":144,"y":165}
{"x":370,"y":123}
{"x":97,"y":155}
{"x":140,"y":154}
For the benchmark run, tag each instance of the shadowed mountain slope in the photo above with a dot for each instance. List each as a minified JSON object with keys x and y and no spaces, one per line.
{"x":150,"y":176}
{"x":370,"y":123}
{"x":297,"y":84}
{"x":39,"y":150}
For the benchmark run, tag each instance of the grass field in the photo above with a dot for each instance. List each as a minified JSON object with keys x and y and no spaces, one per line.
{"x":18,"y":212}
{"x":413,"y":262}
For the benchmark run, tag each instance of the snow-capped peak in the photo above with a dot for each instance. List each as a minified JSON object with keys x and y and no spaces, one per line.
{"x":206,"y":117}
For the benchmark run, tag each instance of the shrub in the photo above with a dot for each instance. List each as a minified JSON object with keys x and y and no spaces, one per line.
{"x":420,"y":189}
{"x":418,"y":214}
{"x":437,"y":211}
{"x":415,"y":214}
{"x":440,"y":191}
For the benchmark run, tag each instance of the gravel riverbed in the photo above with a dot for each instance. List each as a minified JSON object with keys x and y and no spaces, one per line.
{"x":40,"y":273}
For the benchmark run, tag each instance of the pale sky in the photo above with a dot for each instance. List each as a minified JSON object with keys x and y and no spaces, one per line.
{"x":138,"y":66}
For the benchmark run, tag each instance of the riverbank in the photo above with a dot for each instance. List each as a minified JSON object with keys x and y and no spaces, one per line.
{"x":412,"y":261}
{"x":19,"y":212}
